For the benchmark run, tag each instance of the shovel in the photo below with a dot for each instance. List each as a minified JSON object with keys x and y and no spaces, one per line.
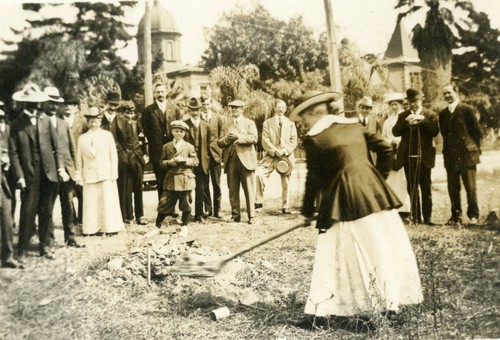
{"x":195,"y":268}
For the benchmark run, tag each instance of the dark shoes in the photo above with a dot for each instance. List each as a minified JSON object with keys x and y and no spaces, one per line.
{"x":217,"y":214}
{"x":200,"y":219}
{"x":74,"y":244}
{"x":285,"y":211}
{"x":251,"y":220}
{"x":454,"y":221}
{"x":258,"y":206}
{"x":47,"y":253}
{"x":11,"y":264}
{"x":234,"y":219}
{"x":429,"y":223}
{"x":140,"y":221}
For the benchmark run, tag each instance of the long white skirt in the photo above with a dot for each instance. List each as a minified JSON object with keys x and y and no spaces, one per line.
{"x":101,"y":208}
{"x":397,"y":182}
{"x":364,"y":265}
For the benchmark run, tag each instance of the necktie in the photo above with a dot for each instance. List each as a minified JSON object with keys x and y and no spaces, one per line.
{"x":280,"y":125}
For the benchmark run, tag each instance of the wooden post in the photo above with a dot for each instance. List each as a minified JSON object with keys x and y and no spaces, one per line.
{"x":148,"y":58}
{"x":333,"y":53}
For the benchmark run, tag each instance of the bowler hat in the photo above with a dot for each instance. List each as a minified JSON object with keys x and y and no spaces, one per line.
{"x":236,"y":103}
{"x":113,"y":97}
{"x":366,"y":101}
{"x":30,"y":93}
{"x":179,"y":124}
{"x":72,"y":99}
{"x":194,"y":103}
{"x":414,"y":94}
{"x":311,"y":98}
{"x":93,"y":113}
{"x":394,"y":97}
{"x":53,"y":94}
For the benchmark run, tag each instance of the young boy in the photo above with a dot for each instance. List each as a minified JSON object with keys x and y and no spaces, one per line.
{"x":178,"y":158}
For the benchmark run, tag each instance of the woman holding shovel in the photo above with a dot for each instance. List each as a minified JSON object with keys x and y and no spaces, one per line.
{"x":364,"y":261}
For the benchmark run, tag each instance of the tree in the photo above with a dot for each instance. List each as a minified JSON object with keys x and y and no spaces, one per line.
{"x":280,"y":50}
{"x":477,"y":69}
{"x":78,"y":49}
{"x":435,"y":40}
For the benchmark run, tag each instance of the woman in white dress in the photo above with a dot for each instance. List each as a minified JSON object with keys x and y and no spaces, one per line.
{"x":98,"y":167}
{"x":396,"y":178}
{"x":364,"y":261}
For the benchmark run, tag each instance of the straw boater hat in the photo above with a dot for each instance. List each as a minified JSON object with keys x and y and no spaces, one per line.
{"x":179,"y":124}
{"x":194,"y":103}
{"x":311,"y":98}
{"x":414,"y":94}
{"x":395,"y":97}
{"x":236,"y":103}
{"x":366,"y":101}
{"x":53,"y":94}
{"x":93,"y":113}
{"x":284,"y":166}
{"x":30,"y":94}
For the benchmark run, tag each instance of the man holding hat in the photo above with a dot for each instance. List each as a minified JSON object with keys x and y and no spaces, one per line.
{"x":156,"y":121}
{"x":35,"y":158}
{"x":416,"y":153}
{"x":238,"y":139}
{"x":279,"y":140}
{"x":198,"y":135}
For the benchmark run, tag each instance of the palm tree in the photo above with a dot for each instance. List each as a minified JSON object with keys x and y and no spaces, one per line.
{"x":435,"y":40}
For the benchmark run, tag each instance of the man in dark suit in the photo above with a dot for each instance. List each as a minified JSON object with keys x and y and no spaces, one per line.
{"x":4,"y":134}
{"x":198,"y":135}
{"x":416,"y":153}
{"x":156,"y":121}
{"x":461,"y":149}
{"x":35,"y":157}
{"x":238,"y":139}
{"x":215,"y":122}
{"x":118,"y":125}
{"x":67,"y":171}
{"x":136,"y":167}
{"x":6,"y":224}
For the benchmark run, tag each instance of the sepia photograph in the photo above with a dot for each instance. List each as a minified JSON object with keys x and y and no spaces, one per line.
{"x":249,"y":169}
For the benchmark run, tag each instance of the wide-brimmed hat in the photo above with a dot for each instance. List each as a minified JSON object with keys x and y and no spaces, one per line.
{"x":284,"y":166}
{"x":236,"y":103}
{"x":30,"y":93}
{"x":179,"y":124}
{"x":394,"y":97}
{"x":194,"y":103}
{"x":71,"y":99}
{"x":414,"y":94}
{"x":93,"y":112}
{"x":113,"y":97}
{"x":53,"y":94}
{"x":311,"y":98}
{"x":366,"y":101}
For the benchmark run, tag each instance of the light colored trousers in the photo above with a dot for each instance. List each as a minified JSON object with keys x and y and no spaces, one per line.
{"x":262,"y":176}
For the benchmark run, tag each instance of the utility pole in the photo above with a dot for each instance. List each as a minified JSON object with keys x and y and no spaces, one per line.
{"x":333,"y":53}
{"x":148,"y":59}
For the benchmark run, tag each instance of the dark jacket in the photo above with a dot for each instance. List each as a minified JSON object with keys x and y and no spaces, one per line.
{"x":202,"y":145}
{"x":416,"y":139}
{"x":461,"y":137}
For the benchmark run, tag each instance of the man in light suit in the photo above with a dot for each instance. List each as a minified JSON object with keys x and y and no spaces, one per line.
{"x":279,"y":140}
{"x":215,"y":122}
{"x":198,"y":135}
{"x":156,"y":121}
{"x":35,"y":158}
{"x":416,"y":153}
{"x":238,"y":139}
{"x":461,"y":149}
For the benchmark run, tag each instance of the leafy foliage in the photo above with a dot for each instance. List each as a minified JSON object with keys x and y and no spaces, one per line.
{"x":280,"y":50}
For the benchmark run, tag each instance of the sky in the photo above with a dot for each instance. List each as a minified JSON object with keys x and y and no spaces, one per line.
{"x":369,"y":23}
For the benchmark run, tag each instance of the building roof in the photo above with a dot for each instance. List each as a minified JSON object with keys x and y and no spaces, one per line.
{"x":161,"y":21}
{"x":400,"y":47}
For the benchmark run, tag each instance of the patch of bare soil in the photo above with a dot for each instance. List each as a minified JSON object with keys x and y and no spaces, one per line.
{"x":102,"y":291}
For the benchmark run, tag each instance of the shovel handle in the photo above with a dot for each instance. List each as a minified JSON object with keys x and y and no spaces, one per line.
{"x":260,"y":242}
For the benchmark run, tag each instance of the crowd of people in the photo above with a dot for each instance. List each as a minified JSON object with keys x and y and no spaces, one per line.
{"x":361,"y":172}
